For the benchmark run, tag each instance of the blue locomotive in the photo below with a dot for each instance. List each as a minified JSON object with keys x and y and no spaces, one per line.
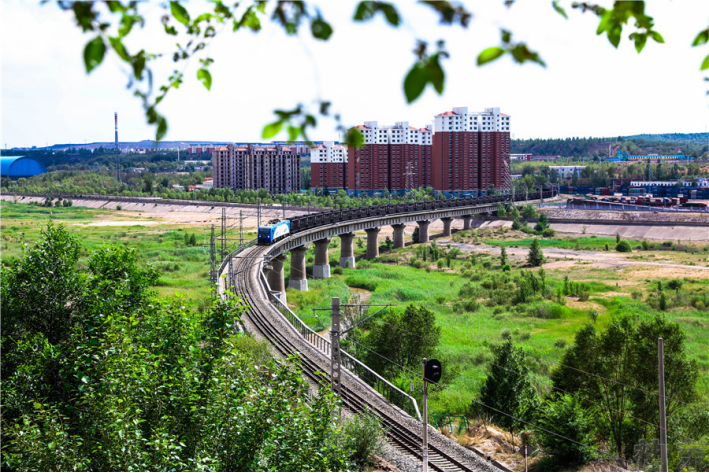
{"x":273,"y":231}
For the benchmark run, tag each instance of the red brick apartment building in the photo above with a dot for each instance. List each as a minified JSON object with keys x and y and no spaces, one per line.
{"x":471,"y":151}
{"x":328,"y":166}
{"x":275,"y":169}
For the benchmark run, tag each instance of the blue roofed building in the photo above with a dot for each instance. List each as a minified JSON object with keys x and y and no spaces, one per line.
{"x":20,"y":166}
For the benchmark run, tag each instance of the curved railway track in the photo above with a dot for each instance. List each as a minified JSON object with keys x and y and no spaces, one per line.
{"x":262,"y":317}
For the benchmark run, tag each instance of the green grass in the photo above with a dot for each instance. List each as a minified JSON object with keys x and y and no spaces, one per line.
{"x":183,"y":269}
{"x":583,"y":243}
{"x":468,"y":336}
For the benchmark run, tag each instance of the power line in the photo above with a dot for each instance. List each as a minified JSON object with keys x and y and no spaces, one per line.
{"x":551,"y":386}
{"x":492,"y":408}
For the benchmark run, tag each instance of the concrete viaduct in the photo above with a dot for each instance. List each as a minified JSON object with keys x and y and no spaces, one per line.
{"x":321,"y":237}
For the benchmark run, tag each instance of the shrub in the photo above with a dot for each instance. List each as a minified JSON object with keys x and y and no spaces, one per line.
{"x":118,"y":207}
{"x":623,"y":247}
{"x":548,"y":232}
{"x":365,"y":438}
{"x":506,"y":334}
{"x":337,"y":270}
{"x":361,"y":281}
{"x":636,"y":295}
{"x":699,"y":305}
{"x":516,"y":225}
{"x":674,"y":284}
{"x":467,"y":290}
{"x":441,"y":263}
{"x":506,"y":267}
{"x":593,"y":313}
{"x":663,"y":301}
{"x":646,"y":245}
{"x":440,"y":299}
{"x":584,"y":295}
{"x":607,"y":248}
{"x":567,"y":417}
{"x":560,"y":343}
{"x":471,"y":305}
{"x":667,"y":244}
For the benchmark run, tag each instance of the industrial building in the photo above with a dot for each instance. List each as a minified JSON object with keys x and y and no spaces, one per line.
{"x":254,"y":167}
{"x":461,"y":154}
{"x":15,"y":167}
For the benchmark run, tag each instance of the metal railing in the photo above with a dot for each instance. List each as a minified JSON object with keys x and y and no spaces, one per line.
{"x":390,"y":392}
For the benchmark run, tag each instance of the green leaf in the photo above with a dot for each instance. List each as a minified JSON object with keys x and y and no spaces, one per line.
{"x":51,"y":445}
{"x":640,"y":40}
{"x":415,"y":82}
{"x":179,"y":12}
{"x":705,"y":64}
{"x":162,"y":128}
{"x":490,"y":54}
{"x":558,"y":9}
{"x":321,"y":29}
{"x":354,"y":138}
{"x":94,"y":51}
{"x":391,"y":14}
{"x":271,"y":130}
{"x":120,"y":49}
{"x":657,"y":37}
{"x":702,"y":38}
{"x":206,"y":78}
{"x":436,"y":76}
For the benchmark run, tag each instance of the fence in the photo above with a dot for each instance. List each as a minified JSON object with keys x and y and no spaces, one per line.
{"x":393,"y":394}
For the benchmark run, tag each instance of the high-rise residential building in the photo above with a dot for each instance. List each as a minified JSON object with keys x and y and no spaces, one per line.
{"x":471,"y":151}
{"x":328,"y":166}
{"x":275,"y":169}
{"x":394,"y":158}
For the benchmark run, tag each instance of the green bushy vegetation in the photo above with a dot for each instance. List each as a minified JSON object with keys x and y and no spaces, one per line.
{"x":99,"y":373}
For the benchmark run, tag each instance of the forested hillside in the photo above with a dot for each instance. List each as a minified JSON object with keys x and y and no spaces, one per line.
{"x":694,"y":145}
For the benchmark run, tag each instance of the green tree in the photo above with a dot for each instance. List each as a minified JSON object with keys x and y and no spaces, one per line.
{"x":515,"y":224}
{"x":535,"y":257}
{"x":529,"y":212}
{"x":503,"y":256}
{"x":507,"y":387}
{"x":501,"y":210}
{"x":514,"y":213}
{"x":566,"y":416}
{"x":622,"y":358}
{"x":623,"y":247}
{"x":405,"y":338}
{"x":193,"y":240}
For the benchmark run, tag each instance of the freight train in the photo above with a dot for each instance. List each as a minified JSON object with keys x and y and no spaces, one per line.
{"x":276,"y":230}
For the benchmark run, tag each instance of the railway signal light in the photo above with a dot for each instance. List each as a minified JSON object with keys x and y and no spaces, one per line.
{"x":433,"y":371}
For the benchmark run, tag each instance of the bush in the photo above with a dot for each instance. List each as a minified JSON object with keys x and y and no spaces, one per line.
{"x":636,"y":295}
{"x":607,"y":248}
{"x":440,"y":299}
{"x":441,"y":263}
{"x":118,"y":207}
{"x":646,"y":245}
{"x":566,"y":416}
{"x":506,"y":267}
{"x":674,"y":284}
{"x":516,"y":225}
{"x":560,"y":343}
{"x":365,"y":438}
{"x":667,"y":244}
{"x":548,"y":232}
{"x":471,"y":305}
{"x":487,"y":264}
{"x":337,"y":270}
{"x":361,"y":281}
{"x":623,"y":247}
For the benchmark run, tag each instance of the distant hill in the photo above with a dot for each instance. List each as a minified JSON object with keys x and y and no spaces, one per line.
{"x":696,"y":138}
{"x":691,"y":144}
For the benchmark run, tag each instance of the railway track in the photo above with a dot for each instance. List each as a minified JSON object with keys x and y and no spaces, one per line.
{"x":262,"y":317}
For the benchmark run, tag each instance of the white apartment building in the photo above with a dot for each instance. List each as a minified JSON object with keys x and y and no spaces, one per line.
{"x":399,"y":133}
{"x":461,"y":120}
{"x":328,"y":152}
{"x":567,"y":172}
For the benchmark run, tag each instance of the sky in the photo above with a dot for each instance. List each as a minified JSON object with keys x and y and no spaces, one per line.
{"x":588,"y":88}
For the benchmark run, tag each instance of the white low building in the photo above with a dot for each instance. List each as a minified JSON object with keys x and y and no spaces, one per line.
{"x":567,"y":172}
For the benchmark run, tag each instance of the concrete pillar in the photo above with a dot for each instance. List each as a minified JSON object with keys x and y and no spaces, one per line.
{"x":398,"y":235}
{"x":447,"y":226}
{"x":347,"y":259}
{"x":275,"y":277}
{"x":466,"y":221}
{"x":321,"y":268}
{"x":423,"y":230}
{"x":298,"y":279}
{"x":372,"y":242}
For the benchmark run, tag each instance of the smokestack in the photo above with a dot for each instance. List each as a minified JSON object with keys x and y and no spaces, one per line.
{"x":115,"y":119}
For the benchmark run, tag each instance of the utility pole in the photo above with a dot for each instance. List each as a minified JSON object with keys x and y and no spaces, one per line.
{"x":212,"y":259}
{"x":663,"y":419}
{"x":335,"y":349}
{"x":258,"y":215}
{"x":241,"y":227}
{"x":223,"y":244}
{"x":424,"y":416}
{"x":308,"y":205}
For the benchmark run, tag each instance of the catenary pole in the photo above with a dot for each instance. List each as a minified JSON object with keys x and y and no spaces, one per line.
{"x":663,"y":418}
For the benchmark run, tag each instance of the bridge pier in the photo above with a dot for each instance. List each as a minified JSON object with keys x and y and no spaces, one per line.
{"x":347,"y":259}
{"x":447,"y":221}
{"x":423,"y":230}
{"x":298,"y":279}
{"x":372,"y":242}
{"x":466,"y":221}
{"x":321,"y":268}
{"x":276,"y":281}
{"x":399,"y":235}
